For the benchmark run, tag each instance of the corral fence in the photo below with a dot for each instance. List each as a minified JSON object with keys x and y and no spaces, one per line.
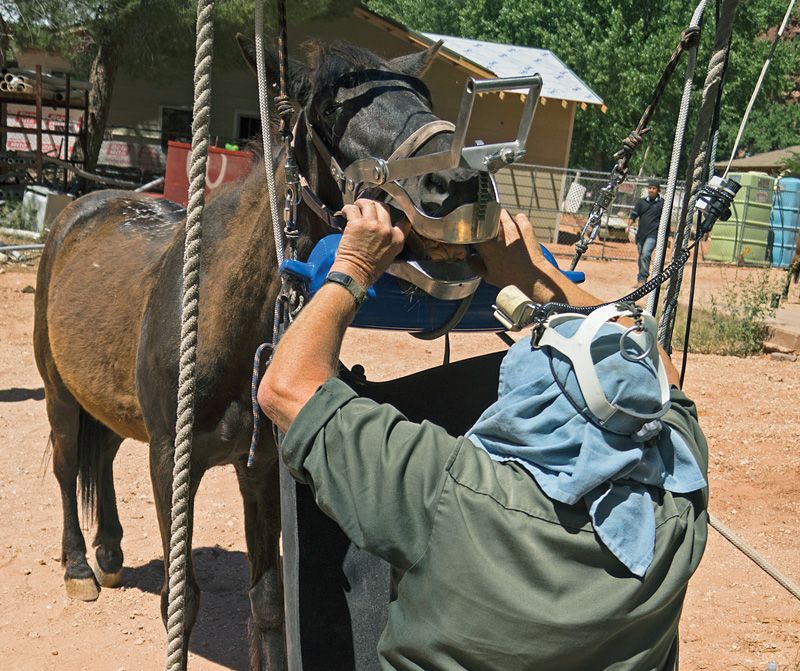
{"x":762,"y":230}
{"x":558,"y":201}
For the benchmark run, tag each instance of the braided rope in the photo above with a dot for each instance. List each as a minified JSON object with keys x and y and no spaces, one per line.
{"x":677,"y":147}
{"x":263,"y":107}
{"x":179,"y":530}
{"x":753,"y":555}
{"x":703,"y":162}
{"x":759,"y":82}
{"x":689,"y":39}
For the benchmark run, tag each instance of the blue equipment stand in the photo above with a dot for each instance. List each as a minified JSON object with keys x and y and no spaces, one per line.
{"x":391,"y":306}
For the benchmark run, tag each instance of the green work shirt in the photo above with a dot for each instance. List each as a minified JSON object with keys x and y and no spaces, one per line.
{"x":490,"y":573}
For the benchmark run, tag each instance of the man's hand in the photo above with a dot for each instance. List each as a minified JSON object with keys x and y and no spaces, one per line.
{"x":309,"y":352}
{"x":513,"y":254}
{"x":370,"y":241}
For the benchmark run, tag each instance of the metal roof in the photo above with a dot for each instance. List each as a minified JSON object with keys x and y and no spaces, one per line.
{"x":768,"y":160}
{"x":507,"y":60}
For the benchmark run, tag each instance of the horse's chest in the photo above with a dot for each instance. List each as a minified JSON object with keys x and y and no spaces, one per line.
{"x":229,"y":440}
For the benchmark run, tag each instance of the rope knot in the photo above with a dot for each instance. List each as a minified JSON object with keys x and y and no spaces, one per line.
{"x":284,"y":107}
{"x":690,"y":37}
{"x":631,"y":143}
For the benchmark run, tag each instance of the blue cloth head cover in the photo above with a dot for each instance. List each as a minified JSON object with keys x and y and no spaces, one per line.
{"x":542,"y":422}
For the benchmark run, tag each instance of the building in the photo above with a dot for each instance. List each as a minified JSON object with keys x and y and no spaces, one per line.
{"x":145,"y":114}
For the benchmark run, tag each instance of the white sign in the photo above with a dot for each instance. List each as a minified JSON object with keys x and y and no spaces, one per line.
{"x":53,"y":121}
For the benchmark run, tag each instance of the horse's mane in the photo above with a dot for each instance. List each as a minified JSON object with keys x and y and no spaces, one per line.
{"x":330,"y":61}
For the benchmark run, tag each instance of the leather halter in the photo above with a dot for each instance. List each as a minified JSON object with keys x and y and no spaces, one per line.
{"x":333,"y":219}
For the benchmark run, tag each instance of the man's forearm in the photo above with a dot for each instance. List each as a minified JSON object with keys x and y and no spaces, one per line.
{"x":307,"y":355}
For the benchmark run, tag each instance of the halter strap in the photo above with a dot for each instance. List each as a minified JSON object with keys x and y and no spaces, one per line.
{"x":419,"y":137}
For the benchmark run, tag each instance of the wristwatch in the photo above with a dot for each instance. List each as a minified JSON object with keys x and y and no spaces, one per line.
{"x":358,"y":292}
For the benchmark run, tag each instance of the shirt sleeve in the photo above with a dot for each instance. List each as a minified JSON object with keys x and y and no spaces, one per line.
{"x":378,"y":475}
{"x":682,"y":416}
{"x":635,"y":211}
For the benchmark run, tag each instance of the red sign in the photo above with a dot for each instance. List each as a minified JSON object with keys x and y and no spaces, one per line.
{"x":223,"y":166}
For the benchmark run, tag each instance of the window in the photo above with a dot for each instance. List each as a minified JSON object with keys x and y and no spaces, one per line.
{"x":176,"y":124}
{"x":248,"y":126}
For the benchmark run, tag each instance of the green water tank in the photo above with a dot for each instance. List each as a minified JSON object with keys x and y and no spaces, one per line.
{"x":745,"y":237}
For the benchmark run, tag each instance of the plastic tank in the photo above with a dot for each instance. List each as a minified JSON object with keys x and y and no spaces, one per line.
{"x":785,"y":220}
{"x":746,"y":237}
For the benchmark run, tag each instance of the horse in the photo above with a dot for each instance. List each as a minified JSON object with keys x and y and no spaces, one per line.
{"x":108,"y":306}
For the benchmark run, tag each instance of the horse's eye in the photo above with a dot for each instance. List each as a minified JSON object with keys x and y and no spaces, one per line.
{"x":331,"y":109}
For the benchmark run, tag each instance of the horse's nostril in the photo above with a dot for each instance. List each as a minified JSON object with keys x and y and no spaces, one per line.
{"x":434,"y":184}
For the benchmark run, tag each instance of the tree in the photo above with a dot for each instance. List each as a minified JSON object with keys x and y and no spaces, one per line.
{"x":146,"y":37}
{"x":620,"y":47}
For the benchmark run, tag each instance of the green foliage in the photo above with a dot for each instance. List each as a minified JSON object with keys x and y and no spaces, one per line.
{"x":17,"y":216}
{"x":148,"y":36}
{"x":620,"y":47}
{"x":791,"y":164}
{"x":143,"y":33}
{"x":735,"y":324}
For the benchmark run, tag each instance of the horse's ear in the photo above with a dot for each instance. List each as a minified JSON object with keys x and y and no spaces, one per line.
{"x":416,"y":65}
{"x":299,"y":88}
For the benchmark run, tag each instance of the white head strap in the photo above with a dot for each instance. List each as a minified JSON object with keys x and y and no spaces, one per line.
{"x":577,"y":349}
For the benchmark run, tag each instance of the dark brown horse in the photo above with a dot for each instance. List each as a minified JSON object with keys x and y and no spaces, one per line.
{"x":107,"y":321}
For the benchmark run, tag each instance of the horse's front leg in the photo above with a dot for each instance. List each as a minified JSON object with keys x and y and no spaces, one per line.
{"x":161,"y":460}
{"x":260,"y":493}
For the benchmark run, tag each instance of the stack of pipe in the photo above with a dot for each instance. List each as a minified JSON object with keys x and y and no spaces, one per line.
{"x":15,"y":83}
{"x":15,"y":80}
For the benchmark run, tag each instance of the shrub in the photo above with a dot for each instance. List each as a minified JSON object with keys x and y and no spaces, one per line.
{"x":17,"y":216}
{"x":735,"y":324}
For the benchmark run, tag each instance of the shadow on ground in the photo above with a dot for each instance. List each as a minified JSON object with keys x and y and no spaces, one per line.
{"x":220,"y":633}
{"x":17,"y":394}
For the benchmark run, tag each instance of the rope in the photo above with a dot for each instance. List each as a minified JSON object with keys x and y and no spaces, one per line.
{"x":708,"y":119}
{"x":759,"y":82}
{"x":753,"y":555}
{"x":263,"y":106}
{"x":677,"y":146}
{"x":689,"y":38}
{"x":179,"y":529}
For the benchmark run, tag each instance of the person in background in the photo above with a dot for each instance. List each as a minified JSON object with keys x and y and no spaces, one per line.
{"x":648,"y":211}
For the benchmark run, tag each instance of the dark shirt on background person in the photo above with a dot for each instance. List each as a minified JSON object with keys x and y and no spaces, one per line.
{"x":648,"y":211}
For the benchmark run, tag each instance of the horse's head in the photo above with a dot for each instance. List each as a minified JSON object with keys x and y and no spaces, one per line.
{"x":360,"y":106}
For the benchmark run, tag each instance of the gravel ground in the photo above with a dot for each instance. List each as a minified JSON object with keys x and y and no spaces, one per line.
{"x":735,"y":617}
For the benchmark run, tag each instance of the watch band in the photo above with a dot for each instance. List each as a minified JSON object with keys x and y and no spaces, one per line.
{"x":358,"y":292}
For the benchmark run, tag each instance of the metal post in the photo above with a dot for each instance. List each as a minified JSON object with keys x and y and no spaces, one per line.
{"x":67,"y":127}
{"x":39,"y":124}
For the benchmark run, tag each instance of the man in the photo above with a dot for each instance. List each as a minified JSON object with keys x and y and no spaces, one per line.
{"x":648,"y":212}
{"x":543,"y":540}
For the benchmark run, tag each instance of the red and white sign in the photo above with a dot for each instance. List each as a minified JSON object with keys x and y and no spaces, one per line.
{"x":131,"y":153}
{"x":53,"y":121}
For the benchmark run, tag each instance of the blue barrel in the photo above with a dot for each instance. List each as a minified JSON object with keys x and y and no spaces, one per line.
{"x":785,"y":220}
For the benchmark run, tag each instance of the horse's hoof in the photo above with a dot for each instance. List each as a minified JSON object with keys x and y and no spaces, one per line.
{"x":83,"y":589}
{"x":106,"y":579}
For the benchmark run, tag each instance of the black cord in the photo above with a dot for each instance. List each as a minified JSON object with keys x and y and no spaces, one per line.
{"x":690,"y":308}
{"x":450,"y":324}
{"x":653,"y":283}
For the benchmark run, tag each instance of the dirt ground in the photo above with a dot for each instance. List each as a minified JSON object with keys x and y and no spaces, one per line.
{"x":735,"y":616}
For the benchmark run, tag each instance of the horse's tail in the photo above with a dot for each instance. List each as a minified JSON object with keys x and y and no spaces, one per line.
{"x":91,"y":440}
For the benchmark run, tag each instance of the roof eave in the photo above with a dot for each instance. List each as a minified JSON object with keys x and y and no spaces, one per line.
{"x":458,"y":59}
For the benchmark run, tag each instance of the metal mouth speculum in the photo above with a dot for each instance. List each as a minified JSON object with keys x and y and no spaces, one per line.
{"x":467,"y":224}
